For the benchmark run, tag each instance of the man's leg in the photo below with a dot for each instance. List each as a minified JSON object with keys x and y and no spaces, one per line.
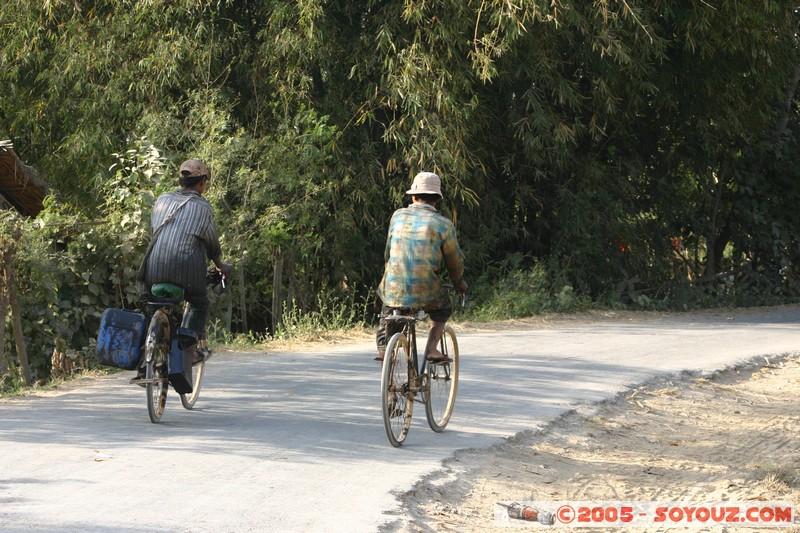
{"x":432,"y":353}
{"x":195,"y":319}
{"x":196,"y":314}
{"x":438,"y":320}
{"x":380,"y":340}
{"x":385,"y":332}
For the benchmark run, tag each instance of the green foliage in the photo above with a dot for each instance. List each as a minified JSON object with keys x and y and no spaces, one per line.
{"x":220,"y":336}
{"x":284,"y":202}
{"x":332,"y":313}
{"x":523,"y":291}
{"x":70,"y":270}
{"x":642,"y":153}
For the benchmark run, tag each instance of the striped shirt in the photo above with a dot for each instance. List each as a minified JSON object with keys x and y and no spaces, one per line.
{"x":420,"y":246}
{"x":185,"y":243}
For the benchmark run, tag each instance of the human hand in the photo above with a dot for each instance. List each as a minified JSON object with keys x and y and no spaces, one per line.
{"x":221,"y":268}
{"x":462,"y":287}
{"x":225,"y":269}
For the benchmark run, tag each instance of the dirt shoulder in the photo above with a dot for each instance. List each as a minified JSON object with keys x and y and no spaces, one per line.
{"x":732,"y":437}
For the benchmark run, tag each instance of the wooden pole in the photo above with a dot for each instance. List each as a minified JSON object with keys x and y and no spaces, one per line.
{"x":3,"y":314}
{"x":242,"y":296}
{"x":277,"y":281}
{"x":16,"y":315}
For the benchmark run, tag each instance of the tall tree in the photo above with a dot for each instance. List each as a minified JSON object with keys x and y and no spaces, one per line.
{"x":613,"y":141}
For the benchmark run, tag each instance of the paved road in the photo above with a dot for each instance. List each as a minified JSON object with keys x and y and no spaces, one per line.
{"x":295,"y":442}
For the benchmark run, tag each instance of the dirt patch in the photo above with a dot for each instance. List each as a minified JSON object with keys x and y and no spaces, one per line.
{"x":733,"y":437}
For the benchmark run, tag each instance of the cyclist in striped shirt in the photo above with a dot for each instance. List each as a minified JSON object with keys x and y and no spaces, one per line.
{"x":420,"y":247}
{"x":186,"y":239}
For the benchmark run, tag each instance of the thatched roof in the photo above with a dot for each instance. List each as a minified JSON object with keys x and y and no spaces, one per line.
{"x":20,"y":188}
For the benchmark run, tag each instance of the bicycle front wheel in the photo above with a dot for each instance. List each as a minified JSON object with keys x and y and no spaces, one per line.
{"x":442,"y":383}
{"x":397,"y":399}
{"x":188,"y":400}
{"x":156,"y":353}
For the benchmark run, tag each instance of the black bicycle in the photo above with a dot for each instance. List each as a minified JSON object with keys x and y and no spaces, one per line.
{"x":406,"y":378}
{"x":164,"y":340}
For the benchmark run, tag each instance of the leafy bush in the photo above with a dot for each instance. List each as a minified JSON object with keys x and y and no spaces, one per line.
{"x":332,"y":313}
{"x":524,"y":292}
{"x":70,"y":267}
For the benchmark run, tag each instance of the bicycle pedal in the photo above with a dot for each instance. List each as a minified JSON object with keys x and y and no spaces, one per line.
{"x":201,"y":355}
{"x":394,"y":410}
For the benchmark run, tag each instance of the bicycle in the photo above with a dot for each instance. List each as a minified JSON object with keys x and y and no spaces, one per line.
{"x":403,"y":378}
{"x":162,"y":335}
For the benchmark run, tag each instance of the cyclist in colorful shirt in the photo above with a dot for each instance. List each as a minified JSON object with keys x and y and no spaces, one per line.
{"x":420,"y":247}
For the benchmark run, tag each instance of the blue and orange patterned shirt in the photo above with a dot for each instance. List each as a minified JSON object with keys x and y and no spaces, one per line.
{"x":421,"y":245}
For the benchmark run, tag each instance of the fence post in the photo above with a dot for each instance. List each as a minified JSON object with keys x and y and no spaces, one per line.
{"x":3,"y":314}
{"x":277,"y":281}
{"x":19,"y":339}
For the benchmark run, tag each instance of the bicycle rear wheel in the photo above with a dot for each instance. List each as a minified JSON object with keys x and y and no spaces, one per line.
{"x":188,"y":400}
{"x":397,"y":400}
{"x":156,"y":353}
{"x":442,"y":383}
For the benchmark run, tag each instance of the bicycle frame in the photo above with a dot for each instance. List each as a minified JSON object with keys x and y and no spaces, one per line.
{"x":166,"y":349}
{"x":410,"y":331}
{"x":407,"y":378}
{"x":165,"y":306}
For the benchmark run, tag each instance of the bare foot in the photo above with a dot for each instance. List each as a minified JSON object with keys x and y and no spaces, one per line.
{"x":435,"y":356}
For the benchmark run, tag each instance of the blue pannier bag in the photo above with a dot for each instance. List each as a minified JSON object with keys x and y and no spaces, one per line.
{"x":120,"y":338}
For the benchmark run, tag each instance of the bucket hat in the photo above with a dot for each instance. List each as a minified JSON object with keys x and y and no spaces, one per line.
{"x":426,"y":183}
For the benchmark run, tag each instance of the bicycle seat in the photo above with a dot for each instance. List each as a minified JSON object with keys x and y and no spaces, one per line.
{"x":162,"y":294}
{"x":167,"y":290}
{"x":405,"y":313}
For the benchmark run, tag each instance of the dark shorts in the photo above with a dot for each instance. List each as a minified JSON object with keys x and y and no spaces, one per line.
{"x":438,"y":311}
{"x":437,"y":315}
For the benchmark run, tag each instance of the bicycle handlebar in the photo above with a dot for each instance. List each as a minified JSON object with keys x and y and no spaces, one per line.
{"x":215,"y":277}
{"x":451,"y":287}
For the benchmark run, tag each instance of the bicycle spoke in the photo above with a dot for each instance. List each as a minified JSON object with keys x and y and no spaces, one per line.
{"x":442,"y":384}
{"x":188,"y":400}
{"x":156,"y":352}
{"x":396,"y":390}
